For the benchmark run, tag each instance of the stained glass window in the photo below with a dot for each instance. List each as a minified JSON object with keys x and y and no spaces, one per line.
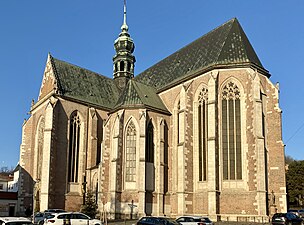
{"x":231,"y":132}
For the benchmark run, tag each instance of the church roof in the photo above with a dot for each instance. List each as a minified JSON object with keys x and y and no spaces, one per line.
{"x":222,"y":47}
{"x":137,"y":95}
{"x":84,"y":85}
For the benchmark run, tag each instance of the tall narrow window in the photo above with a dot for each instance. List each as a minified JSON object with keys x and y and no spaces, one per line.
{"x":203,"y":134}
{"x":231,"y":132}
{"x":150,"y":143}
{"x":178,"y":122}
{"x":74,"y":147}
{"x":131,"y":152}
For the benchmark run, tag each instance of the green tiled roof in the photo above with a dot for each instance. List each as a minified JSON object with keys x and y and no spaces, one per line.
{"x":224,"y":46}
{"x":137,"y":95}
{"x":84,"y":85}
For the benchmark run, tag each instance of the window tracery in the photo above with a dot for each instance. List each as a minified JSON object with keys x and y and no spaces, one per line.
{"x":231,"y":132}
{"x":131,"y":152}
{"x":203,"y":134}
{"x":74,"y":142}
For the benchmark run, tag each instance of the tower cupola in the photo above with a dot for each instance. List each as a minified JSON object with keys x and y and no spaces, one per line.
{"x":123,"y":60}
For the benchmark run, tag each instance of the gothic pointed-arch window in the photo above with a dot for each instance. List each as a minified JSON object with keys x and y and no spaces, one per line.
{"x":74,"y":141}
{"x":231,"y":132}
{"x":202,"y":134}
{"x":150,"y":143}
{"x":131,"y":152}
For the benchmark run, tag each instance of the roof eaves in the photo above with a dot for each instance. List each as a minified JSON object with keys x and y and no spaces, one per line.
{"x":212,"y":67}
{"x":140,"y":106}
{"x":87,"y":103}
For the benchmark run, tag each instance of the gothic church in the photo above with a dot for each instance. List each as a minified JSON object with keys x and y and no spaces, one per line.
{"x":198,"y":133}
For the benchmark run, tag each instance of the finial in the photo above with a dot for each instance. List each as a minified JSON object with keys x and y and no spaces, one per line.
{"x":125,"y":12}
{"x":124,"y":26}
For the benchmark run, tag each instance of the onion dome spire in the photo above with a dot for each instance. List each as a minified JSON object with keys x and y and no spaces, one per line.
{"x":123,"y":60}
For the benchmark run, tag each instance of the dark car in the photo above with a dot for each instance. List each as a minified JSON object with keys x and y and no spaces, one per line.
{"x":294,"y":211}
{"x":301,"y":213}
{"x":286,"y":219}
{"x":153,"y":220}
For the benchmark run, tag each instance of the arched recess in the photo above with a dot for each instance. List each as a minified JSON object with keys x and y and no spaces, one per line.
{"x":38,"y":160}
{"x":39,"y":147}
{"x":164,"y":136}
{"x":200,"y":139}
{"x":150,"y":167}
{"x":94,"y":186}
{"x":232,"y":132}
{"x":131,"y":154}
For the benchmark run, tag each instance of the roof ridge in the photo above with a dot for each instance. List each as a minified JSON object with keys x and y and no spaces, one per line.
{"x":126,"y":93}
{"x":74,"y":65}
{"x":232,"y":21}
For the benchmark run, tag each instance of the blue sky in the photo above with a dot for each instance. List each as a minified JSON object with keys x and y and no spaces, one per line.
{"x":82,"y":32}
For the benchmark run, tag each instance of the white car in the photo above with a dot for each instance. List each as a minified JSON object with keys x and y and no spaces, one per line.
{"x":71,"y":218}
{"x":194,"y":220}
{"x":15,"y":221}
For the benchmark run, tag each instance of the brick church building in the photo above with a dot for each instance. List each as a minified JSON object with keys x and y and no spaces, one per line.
{"x":198,"y":133}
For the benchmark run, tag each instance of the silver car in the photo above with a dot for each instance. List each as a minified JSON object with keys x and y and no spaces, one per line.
{"x":194,"y":220}
{"x":15,"y":221}
{"x":71,"y":218}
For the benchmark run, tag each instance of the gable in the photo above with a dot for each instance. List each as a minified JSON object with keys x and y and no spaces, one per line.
{"x":49,"y":81}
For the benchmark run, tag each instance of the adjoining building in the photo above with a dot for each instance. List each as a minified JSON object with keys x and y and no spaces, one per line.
{"x":198,"y":133}
{"x":9,"y":183}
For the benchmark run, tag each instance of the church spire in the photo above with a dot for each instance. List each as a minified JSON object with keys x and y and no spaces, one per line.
{"x":124,"y":25}
{"x":123,"y":60}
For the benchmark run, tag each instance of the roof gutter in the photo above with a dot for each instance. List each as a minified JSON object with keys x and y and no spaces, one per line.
{"x":207,"y":69}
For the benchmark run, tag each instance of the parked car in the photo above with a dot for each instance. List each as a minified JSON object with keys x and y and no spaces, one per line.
{"x":153,"y":220}
{"x":286,"y":219}
{"x":294,"y":211}
{"x":54,"y":211}
{"x":15,"y":221}
{"x":40,"y":217}
{"x":194,"y":220}
{"x":71,"y":218}
{"x":301,"y":213}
